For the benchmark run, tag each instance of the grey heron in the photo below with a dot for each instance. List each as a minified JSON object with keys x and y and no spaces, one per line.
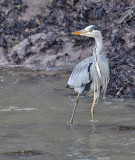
{"x":91,"y":74}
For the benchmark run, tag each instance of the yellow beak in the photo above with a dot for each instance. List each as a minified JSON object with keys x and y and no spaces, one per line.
{"x":77,"y":32}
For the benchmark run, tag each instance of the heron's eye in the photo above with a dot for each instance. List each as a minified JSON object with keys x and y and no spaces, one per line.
{"x":90,"y":30}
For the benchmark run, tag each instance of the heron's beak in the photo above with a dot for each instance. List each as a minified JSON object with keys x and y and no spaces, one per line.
{"x":78,"y":32}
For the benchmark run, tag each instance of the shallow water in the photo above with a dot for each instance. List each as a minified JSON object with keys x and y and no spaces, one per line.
{"x":34,"y":112}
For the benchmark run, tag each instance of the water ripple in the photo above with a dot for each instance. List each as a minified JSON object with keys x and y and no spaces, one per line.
{"x":14,"y":108}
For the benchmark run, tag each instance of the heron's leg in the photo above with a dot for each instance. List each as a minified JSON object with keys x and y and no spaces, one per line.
{"x":93,"y":105}
{"x":76,"y":102}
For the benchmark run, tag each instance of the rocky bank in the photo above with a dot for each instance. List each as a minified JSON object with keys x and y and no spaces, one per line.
{"x":37,"y":35}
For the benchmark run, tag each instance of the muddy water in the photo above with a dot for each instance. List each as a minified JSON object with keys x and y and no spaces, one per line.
{"x":34,"y":113}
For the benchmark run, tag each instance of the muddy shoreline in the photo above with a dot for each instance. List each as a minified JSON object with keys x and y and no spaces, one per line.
{"x":36,"y":35}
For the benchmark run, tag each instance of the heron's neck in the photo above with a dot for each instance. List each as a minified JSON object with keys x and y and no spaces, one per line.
{"x":96,"y":55}
{"x":98,"y":47}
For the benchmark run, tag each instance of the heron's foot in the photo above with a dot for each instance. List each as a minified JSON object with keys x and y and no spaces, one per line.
{"x":71,"y":122}
{"x":94,"y":121}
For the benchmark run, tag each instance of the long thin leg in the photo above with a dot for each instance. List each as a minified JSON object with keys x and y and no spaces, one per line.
{"x":76,"y":102}
{"x":93,"y":105}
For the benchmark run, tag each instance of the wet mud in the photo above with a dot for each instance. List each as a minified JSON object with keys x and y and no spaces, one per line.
{"x":23,"y":153}
{"x":123,"y":128}
{"x":43,"y":41}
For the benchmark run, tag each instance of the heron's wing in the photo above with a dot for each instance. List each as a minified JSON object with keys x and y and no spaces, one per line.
{"x":81,"y":74}
{"x":106,"y":64}
{"x":104,"y":59}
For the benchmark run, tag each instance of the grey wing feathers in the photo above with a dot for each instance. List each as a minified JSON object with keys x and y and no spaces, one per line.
{"x":106,"y":65}
{"x":81,"y":74}
{"x":104,"y":59}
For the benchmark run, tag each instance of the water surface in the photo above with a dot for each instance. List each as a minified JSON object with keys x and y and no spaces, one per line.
{"x":35,"y":110}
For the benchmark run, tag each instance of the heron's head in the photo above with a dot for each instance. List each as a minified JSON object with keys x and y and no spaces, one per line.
{"x":90,"y":31}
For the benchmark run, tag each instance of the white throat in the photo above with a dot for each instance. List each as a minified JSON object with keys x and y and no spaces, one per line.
{"x":96,"y":54}
{"x":99,"y":45}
